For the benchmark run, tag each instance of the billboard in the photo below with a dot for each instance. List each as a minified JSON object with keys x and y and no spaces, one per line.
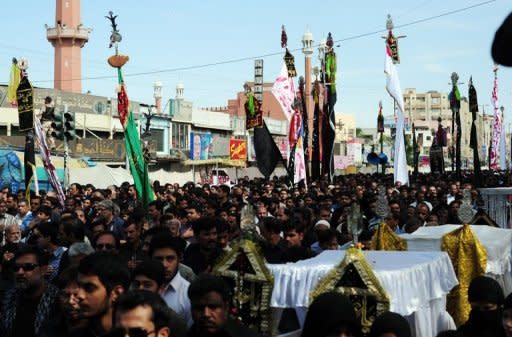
{"x":237,"y":149}
{"x":200,"y":144}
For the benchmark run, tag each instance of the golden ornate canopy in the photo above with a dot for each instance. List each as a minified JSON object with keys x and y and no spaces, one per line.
{"x":245,"y":270}
{"x":354,"y":278}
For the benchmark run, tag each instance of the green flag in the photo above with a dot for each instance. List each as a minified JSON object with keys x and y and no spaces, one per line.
{"x":138,"y":166}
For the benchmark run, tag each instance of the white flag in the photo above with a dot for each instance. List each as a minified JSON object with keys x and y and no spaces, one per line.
{"x":284,"y":91}
{"x":393,"y":88}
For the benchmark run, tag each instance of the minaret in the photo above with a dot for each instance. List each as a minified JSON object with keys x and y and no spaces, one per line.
{"x":68,"y":37}
{"x":307,"y":49}
{"x":179,"y":91}
{"x":157,"y":90}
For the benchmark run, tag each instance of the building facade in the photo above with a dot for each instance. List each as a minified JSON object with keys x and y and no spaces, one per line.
{"x":424,"y":109}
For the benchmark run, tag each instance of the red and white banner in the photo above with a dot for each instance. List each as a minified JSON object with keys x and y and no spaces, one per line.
{"x":284,"y":91}
{"x":497,"y":126}
{"x":47,"y":162}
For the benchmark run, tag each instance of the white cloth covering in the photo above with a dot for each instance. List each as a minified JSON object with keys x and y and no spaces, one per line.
{"x":496,"y":241}
{"x":497,"y":205}
{"x":416,"y":282}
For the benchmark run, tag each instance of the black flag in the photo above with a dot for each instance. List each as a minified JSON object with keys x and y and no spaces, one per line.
{"x":317,"y":139}
{"x":304,"y":123}
{"x":329,"y":121}
{"x":473,"y":142}
{"x":29,"y":162}
{"x":328,"y":133}
{"x":267,"y":152}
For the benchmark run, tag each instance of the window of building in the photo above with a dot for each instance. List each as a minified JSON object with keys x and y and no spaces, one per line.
{"x":157,"y":138}
{"x":179,"y":138}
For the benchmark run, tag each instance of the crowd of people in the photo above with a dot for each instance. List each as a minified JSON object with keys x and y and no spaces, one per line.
{"x":104,"y":264}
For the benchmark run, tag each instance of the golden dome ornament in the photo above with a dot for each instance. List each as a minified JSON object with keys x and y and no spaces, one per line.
{"x":118,"y":60}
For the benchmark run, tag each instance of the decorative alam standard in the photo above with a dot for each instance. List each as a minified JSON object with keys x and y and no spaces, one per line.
{"x":245,"y":271}
{"x":138,"y":157}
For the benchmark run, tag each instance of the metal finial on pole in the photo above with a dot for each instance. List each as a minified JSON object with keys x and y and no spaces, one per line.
{"x":455,"y":78}
{"x":115,"y":37}
{"x":389,"y":23}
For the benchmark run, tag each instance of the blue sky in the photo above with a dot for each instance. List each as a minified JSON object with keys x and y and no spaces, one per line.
{"x":159,"y":34}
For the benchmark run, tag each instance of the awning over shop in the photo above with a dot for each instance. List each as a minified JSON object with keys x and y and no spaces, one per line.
{"x":101,"y":176}
{"x":220,"y":162}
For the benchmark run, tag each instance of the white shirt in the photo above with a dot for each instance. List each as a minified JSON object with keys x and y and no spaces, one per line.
{"x":176,"y":297}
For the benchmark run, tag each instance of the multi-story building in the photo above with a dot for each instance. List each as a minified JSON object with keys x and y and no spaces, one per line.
{"x":424,"y":109}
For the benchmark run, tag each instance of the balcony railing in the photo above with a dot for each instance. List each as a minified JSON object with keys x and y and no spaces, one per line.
{"x":59,"y":32}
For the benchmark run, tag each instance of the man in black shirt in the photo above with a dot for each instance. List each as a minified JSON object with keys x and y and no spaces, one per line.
{"x":31,"y":303}
{"x":210,"y":298}
{"x":274,"y":247}
{"x":202,"y":255}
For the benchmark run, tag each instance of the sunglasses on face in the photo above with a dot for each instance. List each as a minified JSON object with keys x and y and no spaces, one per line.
{"x":102,"y":246}
{"x":24,"y":266}
{"x":129,"y":332}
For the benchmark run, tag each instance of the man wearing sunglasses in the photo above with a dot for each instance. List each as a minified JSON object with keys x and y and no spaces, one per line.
{"x":31,"y":303}
{"x":106,"y":242}
{"x":141,"y":313}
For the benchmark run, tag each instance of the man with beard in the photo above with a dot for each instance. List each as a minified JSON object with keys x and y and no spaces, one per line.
{"x":5,"y":218}
{"x":12,"y":204}
{"x":132,"y":250}
{"x":102,"y":278}
{"x":168,"y":249}
{"x":486,"y":298}
{"x":31,"y":303}
{"x":201,"y":256}
{"x":210,"y":298}
{"x":69,"y":319}
{"x":7,"y":252}
{"x":47,"y":234}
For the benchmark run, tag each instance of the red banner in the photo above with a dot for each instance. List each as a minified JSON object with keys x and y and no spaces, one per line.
{"x":237,"y":149}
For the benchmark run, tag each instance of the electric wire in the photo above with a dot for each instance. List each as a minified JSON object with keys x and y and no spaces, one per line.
{"x":262,"y":56}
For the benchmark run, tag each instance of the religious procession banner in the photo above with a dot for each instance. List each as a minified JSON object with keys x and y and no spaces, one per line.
{"x":25,"y":99}
{"x":253,"y":113}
